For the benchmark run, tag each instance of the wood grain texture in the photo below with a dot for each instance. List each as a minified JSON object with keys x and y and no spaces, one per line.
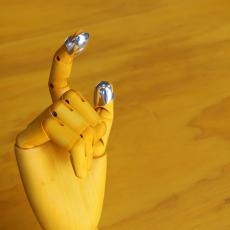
{"x":169,"y":152}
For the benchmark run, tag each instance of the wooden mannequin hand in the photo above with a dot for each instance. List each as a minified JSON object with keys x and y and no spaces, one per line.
{"x":61,"y":154}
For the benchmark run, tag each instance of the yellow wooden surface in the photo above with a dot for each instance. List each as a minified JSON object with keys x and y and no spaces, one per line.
{"x":169,"y":152}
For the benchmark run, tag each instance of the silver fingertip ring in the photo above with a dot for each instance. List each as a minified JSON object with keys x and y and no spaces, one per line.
{"x":80,"y":40}
{"x":103,"y":93}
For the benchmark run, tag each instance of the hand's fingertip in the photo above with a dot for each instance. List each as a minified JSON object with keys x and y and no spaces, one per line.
{"x":100,"y":131}
{"x":78,"y":159}
{"x":99,"y":149}
{"x":104,"y":99}
{"x":78,"y":170}
{"x":76,"y":42}
{"x":103,"y":94}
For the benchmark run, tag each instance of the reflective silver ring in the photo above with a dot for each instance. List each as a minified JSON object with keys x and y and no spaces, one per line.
{"x":80,"y":40}
{"x":103,"y":93}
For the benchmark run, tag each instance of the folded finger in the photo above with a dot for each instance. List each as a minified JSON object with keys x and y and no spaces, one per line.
{"x":78,"y":159}
{"x":67,"y":138}
{"x":68,"y":116}
{"x":88,"y":137}
{"x":79,"y":103}
{"x":59,"y":133}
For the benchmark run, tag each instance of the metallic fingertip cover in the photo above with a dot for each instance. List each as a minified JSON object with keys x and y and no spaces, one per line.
{"x":80,"y":40}
{"x":103,"y":93}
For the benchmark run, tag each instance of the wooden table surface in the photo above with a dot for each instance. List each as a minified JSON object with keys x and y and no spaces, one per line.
{"x":169,"y":152}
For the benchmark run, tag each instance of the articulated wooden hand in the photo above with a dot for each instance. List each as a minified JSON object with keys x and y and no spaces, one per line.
{"x":61,"y":154}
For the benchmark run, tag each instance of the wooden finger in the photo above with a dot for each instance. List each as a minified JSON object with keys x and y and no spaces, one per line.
{"x":59,"y":133}
{"x":78,"y":159}
{"x":70,"y":117}
{"x":78,"y":102}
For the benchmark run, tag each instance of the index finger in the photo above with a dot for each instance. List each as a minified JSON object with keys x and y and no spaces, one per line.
{"x":62,"y":64}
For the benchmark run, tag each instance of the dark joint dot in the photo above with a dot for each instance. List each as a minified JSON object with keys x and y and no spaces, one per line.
{"x":58,"y":58}
{"x":82,"y":99}
{"x":81,"y":135}
{"x":61,"y":124}
{"x":54,"y":114}
{"x":67,"y":101}
{"x":51,"y":86}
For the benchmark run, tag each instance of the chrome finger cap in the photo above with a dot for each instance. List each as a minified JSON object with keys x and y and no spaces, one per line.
{"x":103,"y":93}
{"x":80,"y":40}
